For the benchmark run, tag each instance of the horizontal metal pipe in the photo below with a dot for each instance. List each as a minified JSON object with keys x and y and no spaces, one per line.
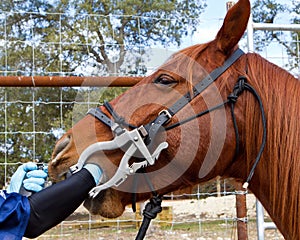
{"x":68,"y":81}
{"x":276,"y":27}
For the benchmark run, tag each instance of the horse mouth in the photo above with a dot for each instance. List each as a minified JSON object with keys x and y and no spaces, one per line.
{"x":106,"y":204}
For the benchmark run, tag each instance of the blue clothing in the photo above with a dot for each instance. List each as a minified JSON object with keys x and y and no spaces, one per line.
{"x":14,"y":215}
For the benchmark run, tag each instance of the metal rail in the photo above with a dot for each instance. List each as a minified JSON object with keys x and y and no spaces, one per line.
{"x":276,"y":27}
{"x":260,"y":222}
{"x":68,"y":81}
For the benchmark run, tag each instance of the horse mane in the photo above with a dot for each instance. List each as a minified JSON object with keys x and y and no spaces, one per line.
{"x":279,"y":165}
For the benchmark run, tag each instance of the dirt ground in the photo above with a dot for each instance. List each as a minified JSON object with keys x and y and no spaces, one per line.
{"x":208,"y":219}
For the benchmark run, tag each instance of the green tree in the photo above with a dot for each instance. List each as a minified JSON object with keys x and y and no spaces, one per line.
{"x":94,"y":37}
{"x":270,"y":11}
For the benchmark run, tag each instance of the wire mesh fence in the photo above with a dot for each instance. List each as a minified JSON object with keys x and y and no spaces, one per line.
{"x":33,"y":118}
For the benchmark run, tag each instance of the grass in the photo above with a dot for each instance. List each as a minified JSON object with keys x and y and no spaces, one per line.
{"x":212,"y":229}
{"x":69,"y":231}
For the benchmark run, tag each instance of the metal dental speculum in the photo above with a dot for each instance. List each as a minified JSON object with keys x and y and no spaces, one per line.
{"x":136,"y":145}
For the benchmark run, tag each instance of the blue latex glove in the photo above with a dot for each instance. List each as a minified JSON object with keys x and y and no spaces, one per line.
{"x":95,"y":170}
{"x":28,"y":176}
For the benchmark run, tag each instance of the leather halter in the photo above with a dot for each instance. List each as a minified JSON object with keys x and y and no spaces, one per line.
{"x":144,"y":135}
{"x":151,"y":129}
{"x":148,"y":132}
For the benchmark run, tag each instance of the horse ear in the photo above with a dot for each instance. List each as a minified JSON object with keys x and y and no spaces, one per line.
{"x":234,"y":26}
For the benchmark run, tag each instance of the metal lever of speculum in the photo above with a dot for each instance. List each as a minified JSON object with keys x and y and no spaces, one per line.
{"x":124,"y":170}
{"x":136,"y":145}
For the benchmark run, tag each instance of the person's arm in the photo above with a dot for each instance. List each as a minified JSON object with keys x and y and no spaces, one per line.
{"x":14,"y":215}
{"x":42,"y":210}
{"x":54,"y":204}
{"x":15,"y":208}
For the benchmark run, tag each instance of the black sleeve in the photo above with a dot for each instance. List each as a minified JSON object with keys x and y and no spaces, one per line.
{"x":55,"y":203}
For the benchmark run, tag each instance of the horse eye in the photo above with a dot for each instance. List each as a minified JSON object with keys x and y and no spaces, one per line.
{"x":165,"y":80}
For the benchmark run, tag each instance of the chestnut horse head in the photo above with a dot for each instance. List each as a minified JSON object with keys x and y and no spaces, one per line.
{"x":204,"y":147}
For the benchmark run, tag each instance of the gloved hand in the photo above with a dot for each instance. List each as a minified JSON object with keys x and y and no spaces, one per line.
{"x":29,"y":176}
{"x":96,"y":172}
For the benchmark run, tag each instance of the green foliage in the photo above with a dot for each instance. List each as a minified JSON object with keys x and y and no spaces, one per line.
{"x":269,"y":11}
{"x":86,"y":99}
{"x":107,"y":37}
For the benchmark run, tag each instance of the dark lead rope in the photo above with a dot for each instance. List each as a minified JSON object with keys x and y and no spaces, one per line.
{"x":264,"y":137}
{"x":237,"y":91}
{"x":152,"y":208}
{"x":150,"y":212}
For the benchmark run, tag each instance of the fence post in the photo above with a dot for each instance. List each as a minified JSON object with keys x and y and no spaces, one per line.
{"x":241,"y":211}
{"x":218,"y":186}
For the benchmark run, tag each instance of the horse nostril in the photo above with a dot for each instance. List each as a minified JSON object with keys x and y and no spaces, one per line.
{"x":61,"y":145}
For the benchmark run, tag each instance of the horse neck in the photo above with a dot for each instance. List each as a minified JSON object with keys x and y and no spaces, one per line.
{"x":276,"y":179}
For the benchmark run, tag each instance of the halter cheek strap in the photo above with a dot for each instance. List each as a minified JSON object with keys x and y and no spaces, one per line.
{"x":165,"y":115}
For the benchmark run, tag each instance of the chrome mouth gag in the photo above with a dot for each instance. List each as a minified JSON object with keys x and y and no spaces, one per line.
{"x":135,"y":145}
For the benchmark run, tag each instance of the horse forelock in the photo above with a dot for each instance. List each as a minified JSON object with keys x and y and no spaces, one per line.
{"x":279,"y":167}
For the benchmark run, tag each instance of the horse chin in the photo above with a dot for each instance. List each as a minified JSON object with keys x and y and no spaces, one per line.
{"x":107,"y":204}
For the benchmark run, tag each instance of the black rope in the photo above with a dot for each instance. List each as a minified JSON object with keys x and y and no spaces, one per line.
{"x":152,"y":208}
{"x":150,"y":212}
{"x":134,"y":187}
{"x":236,"y":130}
{"x":237,"y":91}
{"x":264,"y":137}
{"x":133,"y":194}
{"x":167,"y":128}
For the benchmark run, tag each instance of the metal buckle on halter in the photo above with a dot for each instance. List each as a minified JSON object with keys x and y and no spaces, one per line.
{"x":136,"y":145}
{"x":166,"y":113}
